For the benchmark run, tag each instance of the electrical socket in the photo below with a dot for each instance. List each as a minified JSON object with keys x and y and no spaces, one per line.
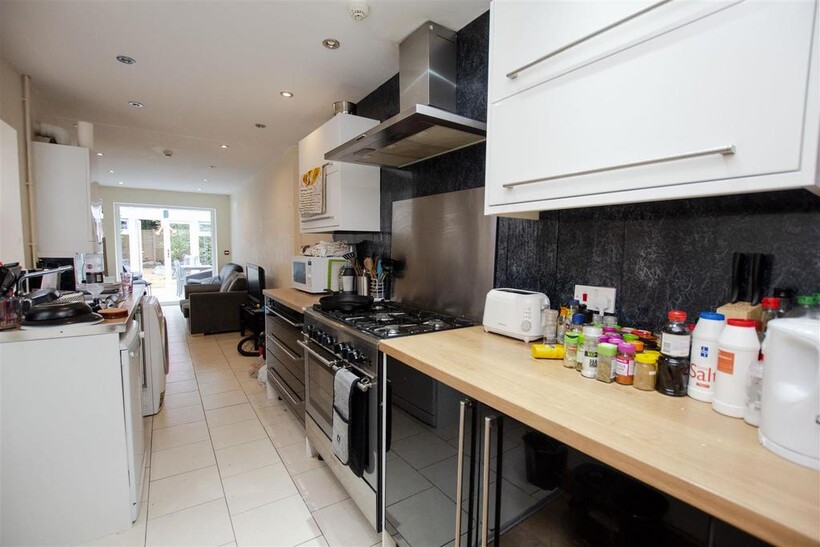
{"x":601,"y":299}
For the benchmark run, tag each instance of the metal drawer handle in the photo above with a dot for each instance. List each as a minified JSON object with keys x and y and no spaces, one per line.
{"x":283,"y":348}
{"x":514,"y":73}
{"x":485,"y":481}
{"x":722,"y":150}
{"x":285,"y":319}
{"x":281,"y":389}
{"x":321,"y":359}
{"x":462,"y":412}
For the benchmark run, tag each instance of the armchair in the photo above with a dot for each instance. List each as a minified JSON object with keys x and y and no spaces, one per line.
{"x":215,"y":308}
{"x":205,"y":278}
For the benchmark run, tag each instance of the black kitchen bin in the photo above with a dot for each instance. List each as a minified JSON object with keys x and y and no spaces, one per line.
{"x":546,"y":460}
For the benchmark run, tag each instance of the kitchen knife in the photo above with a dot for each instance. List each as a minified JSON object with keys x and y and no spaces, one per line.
{"x":737,"y":273}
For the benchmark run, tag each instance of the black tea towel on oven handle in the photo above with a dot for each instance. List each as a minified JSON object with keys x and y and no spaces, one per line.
{"x":358,"y":432}
{"x":344,"y":388}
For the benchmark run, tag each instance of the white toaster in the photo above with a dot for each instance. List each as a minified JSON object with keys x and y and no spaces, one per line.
{"x":515,"y":313}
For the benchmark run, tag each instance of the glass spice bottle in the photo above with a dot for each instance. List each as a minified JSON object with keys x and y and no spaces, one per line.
{"x":606,"y":362}
{"x":645,"y":371}
{"x":570,"y":350}
{"x":625,"y":364}
{"x":673,"y":365}
{"x":589,"y":364}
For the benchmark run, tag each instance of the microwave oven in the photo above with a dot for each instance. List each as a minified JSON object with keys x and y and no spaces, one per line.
{"x":316,"y":274}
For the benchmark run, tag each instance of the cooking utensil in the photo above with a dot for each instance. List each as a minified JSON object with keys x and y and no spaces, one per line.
{"x":9,"y":273}
{"x":346,"y":302}
{"x":368,"y":266}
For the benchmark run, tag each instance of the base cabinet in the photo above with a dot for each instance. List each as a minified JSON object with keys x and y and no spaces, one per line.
{"x":285,"y":359}
{"x":650,"y":101}
{"x":72,"y":452}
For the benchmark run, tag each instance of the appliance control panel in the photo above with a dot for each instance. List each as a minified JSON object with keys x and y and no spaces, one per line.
{"x":345,"y":346}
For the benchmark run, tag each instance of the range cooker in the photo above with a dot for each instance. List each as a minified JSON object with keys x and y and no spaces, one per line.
{"x":334,"y":339}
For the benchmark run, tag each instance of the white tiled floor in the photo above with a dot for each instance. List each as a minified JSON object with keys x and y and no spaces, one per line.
{"x":228,"y":465}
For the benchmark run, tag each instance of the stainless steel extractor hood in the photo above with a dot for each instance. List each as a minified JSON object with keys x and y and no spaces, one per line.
{"x":426,"y":126}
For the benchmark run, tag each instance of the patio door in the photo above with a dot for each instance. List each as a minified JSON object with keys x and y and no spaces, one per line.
{"x":165,"y":245}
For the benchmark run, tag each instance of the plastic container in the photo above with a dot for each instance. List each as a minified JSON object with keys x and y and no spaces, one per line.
{"x":786,"y":297}
{"x":606,"y":362}
{"x":639,"y":347}
{"x":646,"y":367}
{"x":570,"y":350}
{"x":546,"y":460}
{"x":589,"y":364}
{"x":738,"y":348}
{"x":625,"y":364}
{"x":579,"y":355}
{"x":550,"y":318}
{"x":771,"y":307}
{"x":754,"y":391}
{"x":572,"y":309}
{"x":673,"y":364}
{"x":704,"y":356}
{"x":547,"y":351}
{"x":577,"y":323}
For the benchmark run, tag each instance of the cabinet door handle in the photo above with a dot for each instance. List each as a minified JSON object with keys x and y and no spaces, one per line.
{"x":722,"y":150}
{"x":514,"y":73}
{"x":462,"y":412}
{"x":283,"y":348}
{"x":285,"y":319}
{"x":485,"y":480}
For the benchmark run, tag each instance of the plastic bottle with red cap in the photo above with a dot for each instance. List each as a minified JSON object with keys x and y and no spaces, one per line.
{"x":673,"y":364}
{"x":738,"y":348}
{"x":771,"y":310}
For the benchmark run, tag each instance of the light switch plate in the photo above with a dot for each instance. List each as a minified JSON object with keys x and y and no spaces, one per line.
{"x":601,"y":299}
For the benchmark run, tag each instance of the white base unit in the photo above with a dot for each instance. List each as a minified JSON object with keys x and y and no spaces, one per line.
{"x":651,"y":101}
{"x":62,"y":192}
{"x":353,"y":195}
{"x":72,"y":452}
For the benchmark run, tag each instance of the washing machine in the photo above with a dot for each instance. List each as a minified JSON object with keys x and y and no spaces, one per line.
{"x":155,"y":335}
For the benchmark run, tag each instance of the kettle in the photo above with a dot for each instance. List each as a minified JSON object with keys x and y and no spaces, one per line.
{"x":790,"y":409}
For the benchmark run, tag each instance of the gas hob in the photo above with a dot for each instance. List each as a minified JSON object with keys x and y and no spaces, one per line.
{"x":393,"y":319}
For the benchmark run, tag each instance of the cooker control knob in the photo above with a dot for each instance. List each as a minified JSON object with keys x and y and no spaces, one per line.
{"x":344,"y":351}
{"x":361,"y":357}
{"x":355,"y":356}
{"x":338,"y":348}
{"x":526,"y":325}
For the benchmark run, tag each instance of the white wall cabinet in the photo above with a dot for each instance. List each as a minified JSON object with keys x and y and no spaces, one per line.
{"x":353,"y":191}
{"x":640,"y":101}
{"x":62,"y":193}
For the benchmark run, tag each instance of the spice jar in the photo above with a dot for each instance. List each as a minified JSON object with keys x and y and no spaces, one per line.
{"x":637,"y":344}
{"x":673,"y":365}
{"x":579,"y":355}
{"x":570,"y":350}
{"x":645,"y":371}
{"x":589,"y":364}
{"x":606,"y":362}
{"x":625,"y":364}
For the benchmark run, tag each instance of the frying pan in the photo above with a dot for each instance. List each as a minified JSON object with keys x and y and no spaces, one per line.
{"x":346,"y":302}
{"x":54,"y":312}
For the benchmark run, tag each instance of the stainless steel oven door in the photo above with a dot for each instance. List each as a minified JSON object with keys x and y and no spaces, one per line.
{"x":319,"y":374}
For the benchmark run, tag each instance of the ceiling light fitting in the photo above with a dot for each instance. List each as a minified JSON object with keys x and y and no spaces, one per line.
{"x":100,"y":154}
{"x":211,"y":166}
{"x":260,"y":125}
{"x":136,"y":104}
{"x":286,"y":94}
{"x":358,"y":10}
{"x":120,"y":183}
{"x":126,"y":60}
{"x":204,"y":180}
{"x":223,"y":146}
{"x":200,"y":189}
{"x":331,"y":43}
{"x":110,"y":170}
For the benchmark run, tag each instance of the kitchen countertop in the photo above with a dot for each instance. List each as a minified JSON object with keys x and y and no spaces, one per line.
{"x":106,"y":326}
{"x":293,"y":298}
{"x":678,"y":445}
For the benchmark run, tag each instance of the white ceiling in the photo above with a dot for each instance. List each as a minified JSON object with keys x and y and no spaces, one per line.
{"x":207,"y":71}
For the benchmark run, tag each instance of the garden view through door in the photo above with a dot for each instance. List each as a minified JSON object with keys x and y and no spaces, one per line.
{"x":165,"y":245}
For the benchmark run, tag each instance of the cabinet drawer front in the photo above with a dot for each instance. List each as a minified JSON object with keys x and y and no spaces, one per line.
{"x":295,"y":383}
{"x":573,"y":34}
{"x":284,"y":333}
{"x":727,"y":79}
{"x":295,"y":366}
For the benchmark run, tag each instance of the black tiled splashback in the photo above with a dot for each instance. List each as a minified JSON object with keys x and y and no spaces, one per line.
{"x":663,"y":255}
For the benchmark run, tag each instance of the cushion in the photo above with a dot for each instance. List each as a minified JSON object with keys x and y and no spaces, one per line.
{"x":234,"y":282}
{"x":185,"y":306}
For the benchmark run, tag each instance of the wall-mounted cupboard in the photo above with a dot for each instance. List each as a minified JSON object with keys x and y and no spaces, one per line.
{"x":632,"y":101}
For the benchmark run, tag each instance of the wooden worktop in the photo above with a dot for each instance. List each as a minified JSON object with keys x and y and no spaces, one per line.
{"x":293,"y":298}
{"x":678,"y":445}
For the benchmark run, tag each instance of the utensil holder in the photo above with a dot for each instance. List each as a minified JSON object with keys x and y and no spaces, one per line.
{"x":363,"y":285}
{"x":11,"y":314}
{"x":377,"y":290}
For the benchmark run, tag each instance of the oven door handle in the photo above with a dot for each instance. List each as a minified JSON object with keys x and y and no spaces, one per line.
{"x":328,"y":364}
{"x":285,"y":319}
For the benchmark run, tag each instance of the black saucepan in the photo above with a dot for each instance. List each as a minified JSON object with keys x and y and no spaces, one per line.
{"x":346,"y":302}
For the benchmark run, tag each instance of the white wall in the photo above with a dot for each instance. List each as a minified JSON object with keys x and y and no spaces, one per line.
{"x":265,"y":224}
{"x":221,"y":203}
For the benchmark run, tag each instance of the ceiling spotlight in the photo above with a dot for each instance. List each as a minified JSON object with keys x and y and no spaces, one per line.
{"x":136,"y":104}
{"x":211,"y":166}
{"x":204,"y":180}
{"x":331,"y":43}
{"x":100,"y":154}
{"x":200,"y":189}
{"x":260,"y":125}
{"x":286,"y":94}
{"x":120,"y":183}
{"x":110,"y":170}
{"x":126,"y":60}
{"x":223,"y":146}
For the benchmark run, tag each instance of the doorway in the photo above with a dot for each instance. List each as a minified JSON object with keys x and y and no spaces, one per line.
{"x":165,"y":245}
